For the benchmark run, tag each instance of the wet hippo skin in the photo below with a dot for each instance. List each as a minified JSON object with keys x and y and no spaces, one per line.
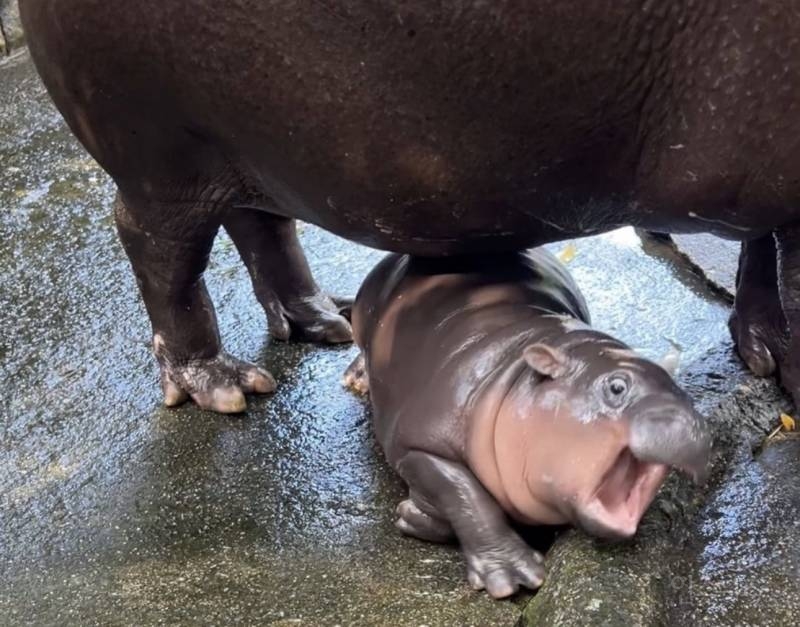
{"x":463,"y":127}
{"x":493,"y":397}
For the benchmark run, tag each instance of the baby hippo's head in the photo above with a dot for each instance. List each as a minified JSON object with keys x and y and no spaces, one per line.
{"x":602,"y":427}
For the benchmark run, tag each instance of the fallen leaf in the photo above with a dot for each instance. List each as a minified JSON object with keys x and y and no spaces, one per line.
{"x":568,"y":254}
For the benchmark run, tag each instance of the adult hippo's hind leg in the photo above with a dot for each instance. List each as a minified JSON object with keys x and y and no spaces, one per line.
{"x":757,"y":324}
{"x":282,"y":280}
{"x":168,"y":244}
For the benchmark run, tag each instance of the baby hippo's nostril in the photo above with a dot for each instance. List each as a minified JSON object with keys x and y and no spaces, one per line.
{"x":676,"y":438}
{"x":700,"y":471}
{"x":699,"y":459}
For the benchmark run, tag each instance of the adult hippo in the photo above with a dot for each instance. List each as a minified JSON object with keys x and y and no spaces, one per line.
{"x":460,"y":127}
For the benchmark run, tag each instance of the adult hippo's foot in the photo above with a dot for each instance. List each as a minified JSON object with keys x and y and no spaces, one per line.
{"x":312,"y":318}
{"x":282,"y":280}
{"x":757,"y":324}
{"x":217,"y":383}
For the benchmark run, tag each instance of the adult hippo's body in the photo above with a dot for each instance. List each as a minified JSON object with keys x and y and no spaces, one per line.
{"x":426,"y":128}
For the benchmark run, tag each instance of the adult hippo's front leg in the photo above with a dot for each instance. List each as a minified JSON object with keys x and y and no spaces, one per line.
{"x":169,"y":255}
{"x":757,"y":324}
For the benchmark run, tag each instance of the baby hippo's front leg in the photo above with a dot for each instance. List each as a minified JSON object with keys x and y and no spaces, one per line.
{"x":355,"y":377}
{"x":497,"y":558}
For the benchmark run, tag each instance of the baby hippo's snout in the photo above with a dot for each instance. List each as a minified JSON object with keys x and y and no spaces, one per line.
{"x":657,"y":428}
{"x":667,"y":432}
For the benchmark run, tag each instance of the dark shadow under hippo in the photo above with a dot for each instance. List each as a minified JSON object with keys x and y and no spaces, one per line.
{"x":492,"y":395}
{"x":459,"y":128}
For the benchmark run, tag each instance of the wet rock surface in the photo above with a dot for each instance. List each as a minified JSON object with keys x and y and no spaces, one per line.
{"x":714,"y":258}
{"x":115,"y":510}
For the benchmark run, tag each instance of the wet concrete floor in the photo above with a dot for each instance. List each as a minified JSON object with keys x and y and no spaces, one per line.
{"x":115,"y":510}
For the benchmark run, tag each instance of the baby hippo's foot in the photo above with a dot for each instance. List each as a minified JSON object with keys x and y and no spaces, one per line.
{"x":355,"y":377}
{"x":412,"y":521}
{"x":216,"y":384}
{"x":315,"y":318}
{"x":502,"y":567}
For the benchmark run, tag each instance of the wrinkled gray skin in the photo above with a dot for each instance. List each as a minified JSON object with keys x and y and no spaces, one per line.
{"x":457,"y":127}
{"x":492,"y":396}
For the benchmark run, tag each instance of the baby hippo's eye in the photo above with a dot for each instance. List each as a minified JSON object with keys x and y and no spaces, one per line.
{"x":616,"y":389}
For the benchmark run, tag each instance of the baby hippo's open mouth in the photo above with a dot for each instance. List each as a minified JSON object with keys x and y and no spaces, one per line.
{"x":625,"y":491}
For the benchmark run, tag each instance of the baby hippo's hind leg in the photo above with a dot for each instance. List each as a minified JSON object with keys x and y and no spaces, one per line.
{"x":282,"y":280}
{"x":497,"y":558}
{"x":424,"y":524}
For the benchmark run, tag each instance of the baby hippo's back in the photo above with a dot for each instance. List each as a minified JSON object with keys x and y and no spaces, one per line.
{"x":434,"y":332}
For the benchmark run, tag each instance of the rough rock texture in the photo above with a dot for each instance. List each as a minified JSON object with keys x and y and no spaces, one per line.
{"x":11,"y":35}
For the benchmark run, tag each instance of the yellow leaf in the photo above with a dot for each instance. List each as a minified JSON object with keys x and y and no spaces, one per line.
{"x":788,"y":422}
{"x":568,"y":254}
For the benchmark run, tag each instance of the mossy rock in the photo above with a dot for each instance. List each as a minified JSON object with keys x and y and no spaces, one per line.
{"x":588,"y":585}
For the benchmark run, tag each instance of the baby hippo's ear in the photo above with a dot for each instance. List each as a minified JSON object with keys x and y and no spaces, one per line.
{"x":546,"y":360}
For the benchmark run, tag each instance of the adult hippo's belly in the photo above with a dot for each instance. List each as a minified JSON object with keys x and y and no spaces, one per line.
{"x":461,"y":128}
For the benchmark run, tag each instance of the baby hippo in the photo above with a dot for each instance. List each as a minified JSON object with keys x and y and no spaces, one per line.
{"x":494,"y":398}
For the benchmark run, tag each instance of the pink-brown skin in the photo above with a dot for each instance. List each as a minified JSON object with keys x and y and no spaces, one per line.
{"x":494,"y":398}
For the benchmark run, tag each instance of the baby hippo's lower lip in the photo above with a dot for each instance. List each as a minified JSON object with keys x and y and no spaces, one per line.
{"x":624,"y":493}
